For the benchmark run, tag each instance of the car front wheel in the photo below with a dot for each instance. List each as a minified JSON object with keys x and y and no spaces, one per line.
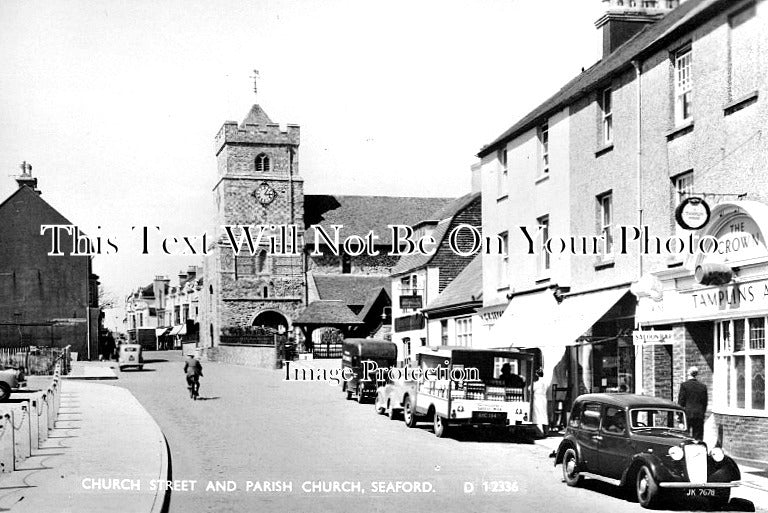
{"x":571,"y":474}
{"x":646,"y":487}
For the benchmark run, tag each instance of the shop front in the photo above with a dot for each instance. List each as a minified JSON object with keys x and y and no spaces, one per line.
{"x":583,"y":340}
{"x":716,"y":308}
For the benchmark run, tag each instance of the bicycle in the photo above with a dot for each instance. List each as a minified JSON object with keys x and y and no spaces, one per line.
{"x":193,"y":385}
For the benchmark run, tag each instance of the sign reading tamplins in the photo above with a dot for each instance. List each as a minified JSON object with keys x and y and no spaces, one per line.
{"x":692,"y":213}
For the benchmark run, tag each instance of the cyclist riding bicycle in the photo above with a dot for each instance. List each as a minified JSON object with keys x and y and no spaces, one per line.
{"x":194,"y":370}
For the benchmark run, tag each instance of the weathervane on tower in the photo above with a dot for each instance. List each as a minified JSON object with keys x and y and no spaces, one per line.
{"x":255,"y":82}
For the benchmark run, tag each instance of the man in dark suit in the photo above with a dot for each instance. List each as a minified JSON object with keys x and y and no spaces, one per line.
{"x":693,"y":397}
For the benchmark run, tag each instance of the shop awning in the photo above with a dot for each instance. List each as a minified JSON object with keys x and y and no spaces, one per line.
{"x":183,"y":330}
{"x":161,"y":331}
{"x":537,"y":320}
{"x":578,"y":313}
{"x":525,"y":321}
{"x":176,"y":330}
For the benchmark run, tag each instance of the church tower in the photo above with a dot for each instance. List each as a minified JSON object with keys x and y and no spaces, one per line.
{"x":258,"y":184}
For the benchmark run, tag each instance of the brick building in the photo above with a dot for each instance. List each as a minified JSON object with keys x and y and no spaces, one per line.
{"x":673,"y":110}
{"x":418,"y":279}
{"x":44,"y":300}
{"x":259,"y":184}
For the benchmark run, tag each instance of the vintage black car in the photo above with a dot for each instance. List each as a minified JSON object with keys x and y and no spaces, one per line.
{"x":642,"y":443}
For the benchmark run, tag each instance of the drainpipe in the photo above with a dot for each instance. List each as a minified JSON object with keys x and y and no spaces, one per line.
{"x":639,"y":164}
{"x":639,"y":388}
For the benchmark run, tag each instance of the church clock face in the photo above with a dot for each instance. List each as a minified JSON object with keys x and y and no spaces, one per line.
{"x":265,"y":194}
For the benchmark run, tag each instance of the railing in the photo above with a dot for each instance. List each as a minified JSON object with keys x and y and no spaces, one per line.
{"x":252,"y":339}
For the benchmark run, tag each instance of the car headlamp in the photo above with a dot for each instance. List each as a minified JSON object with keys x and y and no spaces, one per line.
{"x":717,"y":454}
{"x":676,"y":453}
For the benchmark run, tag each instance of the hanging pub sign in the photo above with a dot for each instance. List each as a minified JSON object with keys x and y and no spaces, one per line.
{"x":692,"y":213}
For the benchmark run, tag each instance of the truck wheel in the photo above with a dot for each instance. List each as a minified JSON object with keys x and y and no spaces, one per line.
{"x":440,"y":426}
{"x":360,"y":396}
{"x":409,"y":415}
{"x":646,"y":487}
{"x":5,"y":391}
{"x":345,"y":388}
{"x":392,"y":413}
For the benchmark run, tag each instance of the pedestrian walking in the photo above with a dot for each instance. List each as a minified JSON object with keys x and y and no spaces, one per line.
{"x":693,"y":397}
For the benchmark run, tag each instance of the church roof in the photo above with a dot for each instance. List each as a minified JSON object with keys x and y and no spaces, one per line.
{"x":360,"y":214}
{"x":257,"y":116}
{"x":327,"y":313}
{"x":352,"y":289}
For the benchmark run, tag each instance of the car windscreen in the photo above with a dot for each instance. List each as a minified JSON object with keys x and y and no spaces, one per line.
{"x":658,"y":418}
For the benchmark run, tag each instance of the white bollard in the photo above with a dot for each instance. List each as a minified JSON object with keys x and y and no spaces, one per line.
{"x":6,"y":441}
{"x":22,"y":442}
{"x":42,"y":418}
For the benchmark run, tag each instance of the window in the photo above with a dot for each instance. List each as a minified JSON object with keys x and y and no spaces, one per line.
{"x":444,"y":332}
{"x":606,"y":223}
{"x":590,"y":417}
{"x":503,"y":260}
{"x":683,"y":86}
{"x":607,"y":108}
{"x":683,"y":186}
{"x":503,"y":173}
{"x":543,"y":135}
{"x":740,"y":364}
{"x":544,"y":256}
{"x":464,"y":332}
{"x":615,"y":420}
{"x":262,"y":163}
{"x":743,"y":52}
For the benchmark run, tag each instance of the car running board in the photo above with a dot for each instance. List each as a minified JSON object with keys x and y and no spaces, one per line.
{"x":676,"y":484}
{"x":598,"y":477}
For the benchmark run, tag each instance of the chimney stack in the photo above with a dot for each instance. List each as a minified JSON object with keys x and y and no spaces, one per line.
{"x":623,"y":19}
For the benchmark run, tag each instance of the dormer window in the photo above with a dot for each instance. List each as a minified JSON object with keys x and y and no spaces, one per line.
{"x":262,"y":163}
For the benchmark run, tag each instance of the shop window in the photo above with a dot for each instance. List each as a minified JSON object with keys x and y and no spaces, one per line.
{"x":740,"y":364}
{"x":407,"y":350}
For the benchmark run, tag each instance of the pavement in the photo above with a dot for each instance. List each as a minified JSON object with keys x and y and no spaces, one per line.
{"x":754,"y":481}
{"x":103,"y":438}
{"x":92,"y":370}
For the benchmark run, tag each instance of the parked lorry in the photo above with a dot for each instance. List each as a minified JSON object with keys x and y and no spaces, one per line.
{"x":463,"y":386}
{"x":355,"y":353}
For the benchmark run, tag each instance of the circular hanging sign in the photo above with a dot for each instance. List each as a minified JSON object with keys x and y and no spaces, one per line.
{"x":692,"y":213}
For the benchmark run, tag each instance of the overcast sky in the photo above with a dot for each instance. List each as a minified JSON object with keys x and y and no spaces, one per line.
{"x":116,"y":103}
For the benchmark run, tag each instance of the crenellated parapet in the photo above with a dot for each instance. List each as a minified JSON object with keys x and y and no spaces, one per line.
{"x":271,"y":134}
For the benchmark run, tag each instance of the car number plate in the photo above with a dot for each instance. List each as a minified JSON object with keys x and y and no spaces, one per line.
{"x":489,"y":416}
{"x":700,"y":492}
{"x":131,"y":358}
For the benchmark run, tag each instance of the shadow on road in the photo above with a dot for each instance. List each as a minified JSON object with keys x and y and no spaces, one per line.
{"x":155,"y":360}
{"x":671,"y":501}
{"x":200,"y":398}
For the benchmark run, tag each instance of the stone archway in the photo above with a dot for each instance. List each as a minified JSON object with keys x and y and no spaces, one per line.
{"x":272,"y":319}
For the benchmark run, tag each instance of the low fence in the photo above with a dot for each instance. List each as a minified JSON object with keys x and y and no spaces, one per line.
{"x":36,"y":361}
{"x":25,"y":421}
